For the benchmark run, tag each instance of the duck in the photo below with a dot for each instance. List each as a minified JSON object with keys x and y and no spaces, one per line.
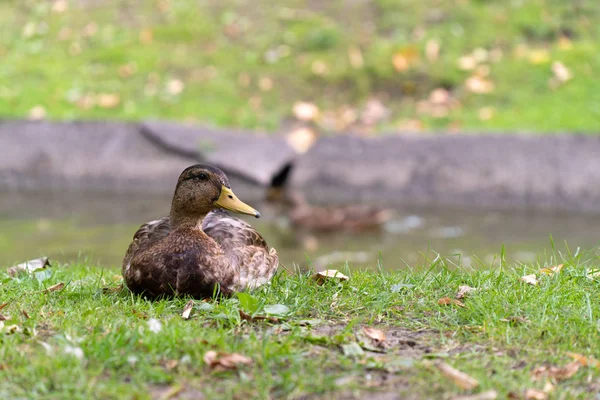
{"x":199,"y":249}
{"x":353,"y":218}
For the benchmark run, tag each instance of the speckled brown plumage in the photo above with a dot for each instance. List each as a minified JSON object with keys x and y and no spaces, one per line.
{"x":199,"y":248}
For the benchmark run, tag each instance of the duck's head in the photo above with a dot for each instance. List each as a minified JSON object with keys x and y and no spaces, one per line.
{"x":201,"y":189}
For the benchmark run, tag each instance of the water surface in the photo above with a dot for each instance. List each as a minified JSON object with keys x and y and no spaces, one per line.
{"x":97,"y":228}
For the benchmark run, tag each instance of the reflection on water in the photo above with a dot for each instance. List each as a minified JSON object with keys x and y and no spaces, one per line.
{"x":69,"y":227}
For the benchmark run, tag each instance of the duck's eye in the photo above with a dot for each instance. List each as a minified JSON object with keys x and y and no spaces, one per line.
{"x":202,"y":176}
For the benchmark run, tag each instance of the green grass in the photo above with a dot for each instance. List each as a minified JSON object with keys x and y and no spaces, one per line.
{"x":244,"y":63}
{"x":90,"y":340}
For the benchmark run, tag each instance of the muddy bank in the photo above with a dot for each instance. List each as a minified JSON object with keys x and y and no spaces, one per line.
{"x":515,"y":171}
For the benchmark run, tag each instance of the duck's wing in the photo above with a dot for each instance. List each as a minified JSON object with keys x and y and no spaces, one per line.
{"x":230,"y":232}
{"x":145,"y":236}
{"x":247,"y":251}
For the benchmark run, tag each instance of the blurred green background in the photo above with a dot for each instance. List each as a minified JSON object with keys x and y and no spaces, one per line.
{"x":361,"y":65}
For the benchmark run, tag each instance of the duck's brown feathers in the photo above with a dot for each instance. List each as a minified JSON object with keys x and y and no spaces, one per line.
{"x":225,"y":255}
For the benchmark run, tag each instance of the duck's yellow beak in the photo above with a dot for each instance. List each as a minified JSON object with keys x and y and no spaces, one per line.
{"x":229,"y":201}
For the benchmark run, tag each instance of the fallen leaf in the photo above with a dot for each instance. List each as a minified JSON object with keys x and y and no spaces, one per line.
{"x":319,"y":67}
{"x":3,"y":318}
{"x":305,"y":111}
{"x":463,"y":291}
{"x":175,"y":86}
{"x":2,"y":306}
{"x":377,"y":335}
{"x":432,"y":50}
{"x":224,"y":361}
{"x":487,"y":395}
{"x":29,"y":266}
{"x":355,"y":56}
{"x":405,"y":58}
{"x":535,"y":394}
{"x":479,"y":85}
{"x":170,"y":364}
{"x":553,"y":372}
{"x":445,"y":301}
{"x":60,"y":6}
{"x":265,"y":84}
{"x":187,"y":309}
{"x":467,"y":63}
{"x":561,"y":73}
{"x":146,"y":36}
{"x":108,"y":100}
{"x":530,"y":279}
{"x":461,"y":379}
{"x":301,"y":139}
{"x":25,"y":314}
{"x":584,"y":361}
{"x":552,"y":270}
{"x":329,"y":274}
{"x":37,"y":113}
{"x":54,"y":288}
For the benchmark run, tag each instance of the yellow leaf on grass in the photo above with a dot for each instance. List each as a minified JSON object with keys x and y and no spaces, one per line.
{"x":552,"y":270}
{"x":530,"y":279}
{"x":329,"y":274}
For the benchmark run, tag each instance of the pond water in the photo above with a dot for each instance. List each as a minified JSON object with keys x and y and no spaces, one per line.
{"x":97,"y":228}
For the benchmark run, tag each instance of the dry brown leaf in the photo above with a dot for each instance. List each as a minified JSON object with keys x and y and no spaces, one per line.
{"x":463,"y":291}
{"x":552,"y":270}
{"x":248,"y":317}
{"x":2,"y":306}
{"x":305,"y":111}
{"x":432,"y":50}
{"x":25,"y":314}
{"x":329,"y":274}
{"x":54,"y":288}
{"x":530,"y":279}
{"x":3,"y":318}
{"x":170,"y":364}
{"x":584,"y":361}
{"x":479,"y":85}
{"x":175,"y":86}
{"x":553,"y":372}
{"x":486,"y":113}
{"x":356,"y":58}
{"x":224,"y":361}
{"x":301,"y":139}
{"x":29,"y":266}
{"x":187,"y":309}
{"x":461,"y":379}
{"x":446,"y":301}
{"x":375,"y":334}
{"x":37,"y":113}
{"x":535,"y":394}
{"x":265,"y":84}
{"x":146,"y":36}
{"x":115,"y":289}
{"x":108,"y":100}
{"x":561,"y":72}
{"x":60,"y":6}
{"x":487,"y":395}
